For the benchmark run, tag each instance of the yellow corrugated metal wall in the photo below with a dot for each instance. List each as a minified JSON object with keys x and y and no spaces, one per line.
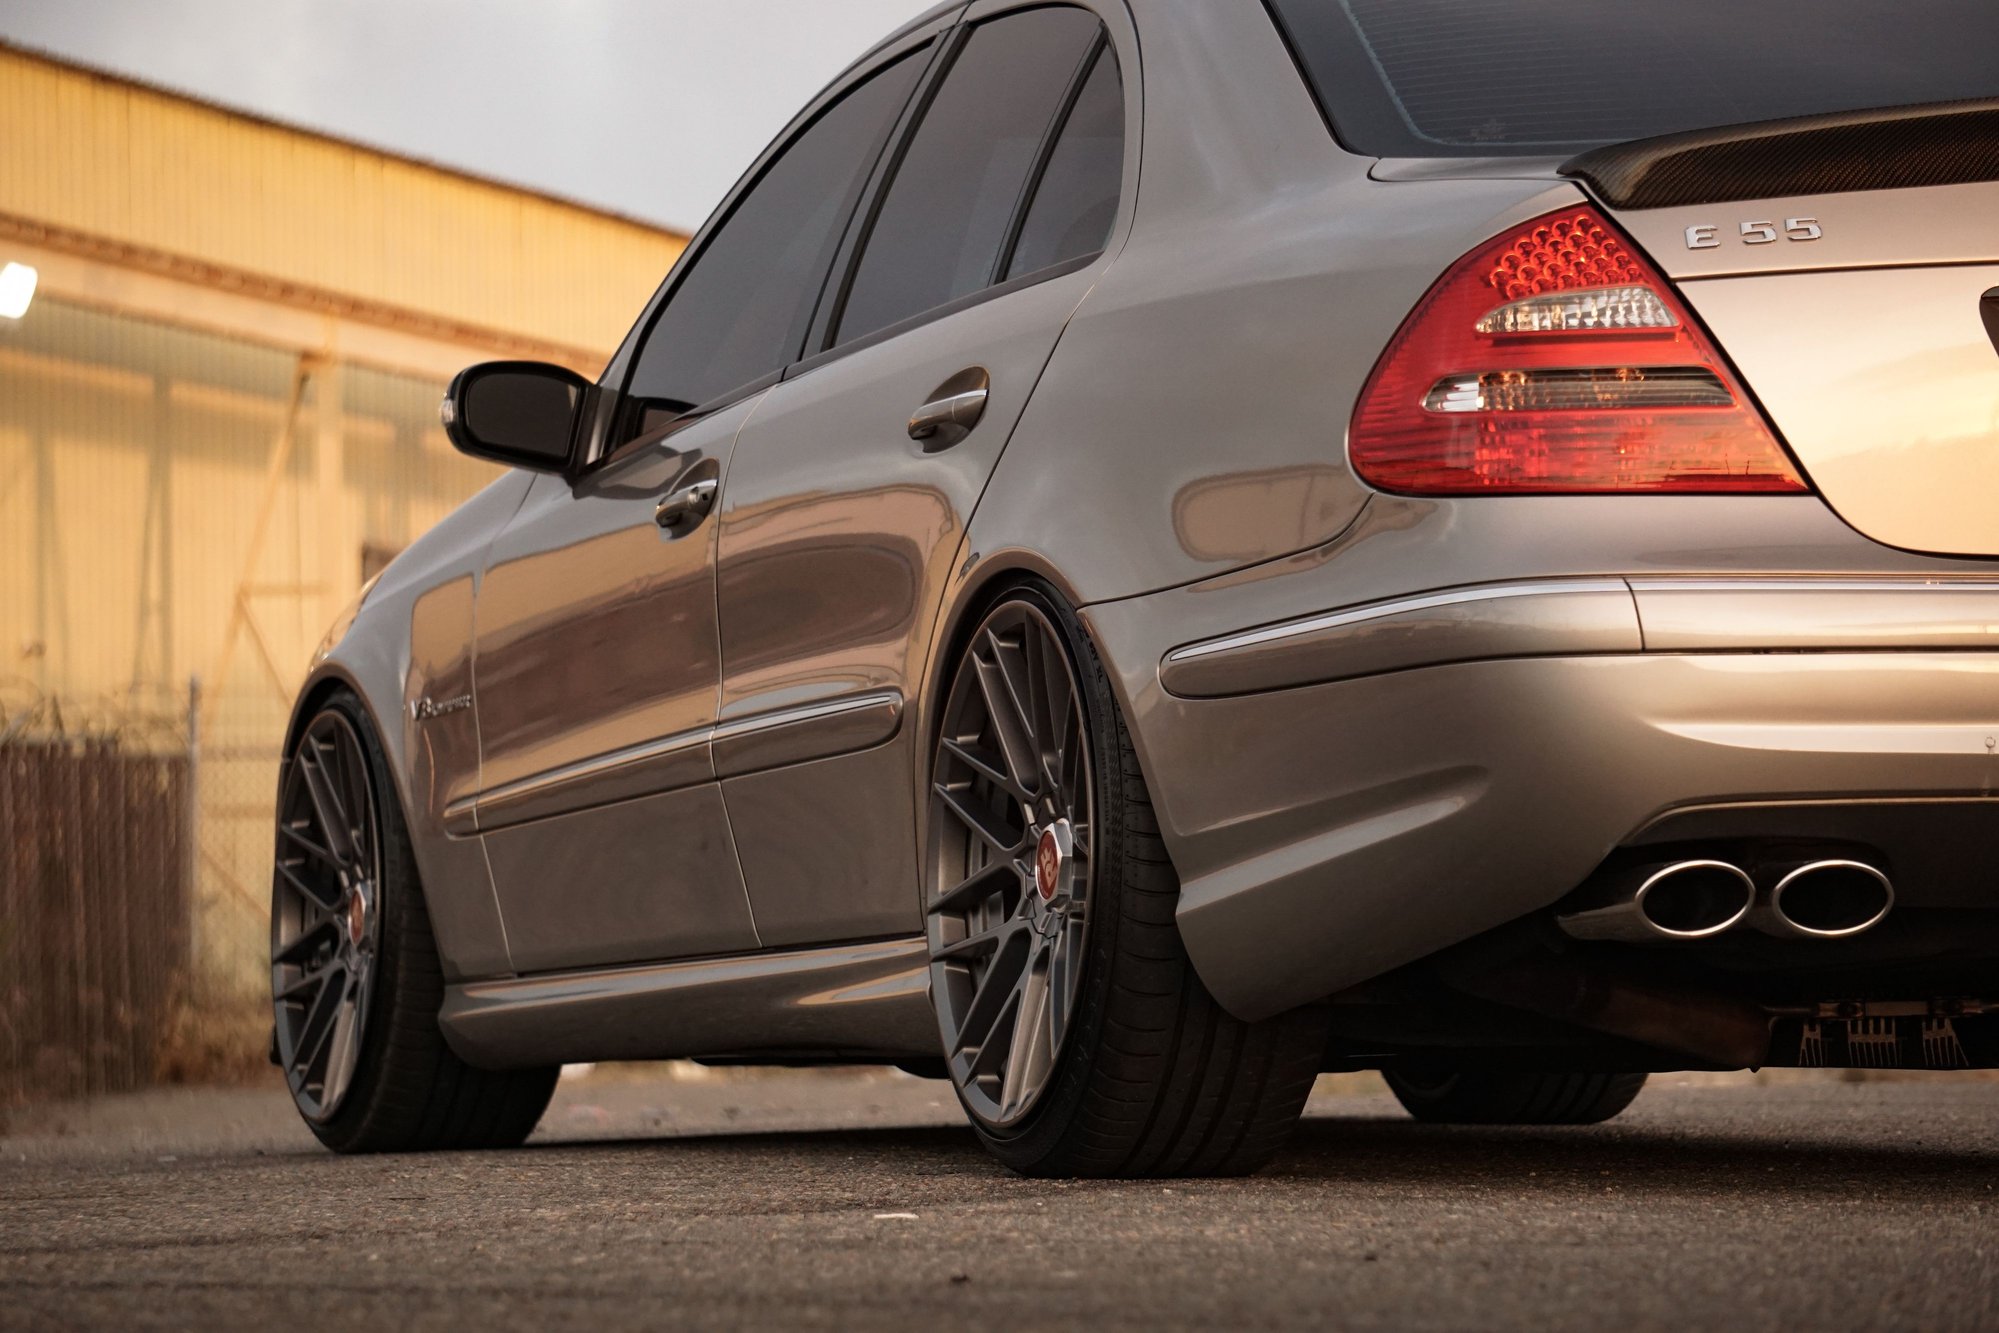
{"x":139,"y":417}
{"x":133,"y":461}
{"x":140,"y":167}
{"x":119,"y":435}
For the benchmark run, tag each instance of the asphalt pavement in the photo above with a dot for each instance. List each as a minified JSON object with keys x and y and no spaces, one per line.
{"x":781,"y":1201}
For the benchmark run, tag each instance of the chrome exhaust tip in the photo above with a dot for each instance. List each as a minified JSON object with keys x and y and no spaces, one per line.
{"x":1685,"y":900}
{"x":1826,"y":900}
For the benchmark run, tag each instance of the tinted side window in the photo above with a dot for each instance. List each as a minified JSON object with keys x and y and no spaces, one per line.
{"x":741,"y":310}
{"x":1076,"y":200}
{"x":938,"y":234}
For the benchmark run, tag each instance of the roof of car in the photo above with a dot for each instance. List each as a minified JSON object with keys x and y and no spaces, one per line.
{"x":928,"y":16}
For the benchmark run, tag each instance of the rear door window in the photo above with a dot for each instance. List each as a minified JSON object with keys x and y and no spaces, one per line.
{"x":944,"y":220}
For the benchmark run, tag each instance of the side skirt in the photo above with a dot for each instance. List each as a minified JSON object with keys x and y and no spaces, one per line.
{"x":868,"y":1001}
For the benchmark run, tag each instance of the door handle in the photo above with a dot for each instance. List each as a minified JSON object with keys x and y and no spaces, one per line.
{"x":955,"y":407}
{"x":687,"y":505}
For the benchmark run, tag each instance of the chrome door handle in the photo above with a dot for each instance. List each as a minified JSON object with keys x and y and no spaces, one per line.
{"x":955,"y":407}
{"x":689,"y":503}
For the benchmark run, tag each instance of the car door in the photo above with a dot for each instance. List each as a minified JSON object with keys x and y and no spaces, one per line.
{"x":839,"y":526}
{"x":597,"y":654}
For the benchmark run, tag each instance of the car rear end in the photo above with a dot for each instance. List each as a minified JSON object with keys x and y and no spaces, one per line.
{"x":1665,"y":659}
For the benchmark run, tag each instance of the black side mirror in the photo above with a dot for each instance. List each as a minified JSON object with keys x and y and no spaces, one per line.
{"x":524,"y":413}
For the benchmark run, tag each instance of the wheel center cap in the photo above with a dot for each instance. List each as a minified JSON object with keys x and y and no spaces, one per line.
{"x":357,"y":916}
{"x":1051,"y":859}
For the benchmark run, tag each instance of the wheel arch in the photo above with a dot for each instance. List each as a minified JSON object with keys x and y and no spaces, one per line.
{"x":451,"y":875}
{"x":981,"y":582}
{"x":328,"y":679}
{"x":323,"y":684}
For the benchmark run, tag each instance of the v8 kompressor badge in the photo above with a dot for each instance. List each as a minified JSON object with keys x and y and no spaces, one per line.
{"x":423,"y":710}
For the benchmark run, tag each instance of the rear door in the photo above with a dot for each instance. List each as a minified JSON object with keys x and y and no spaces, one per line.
{"x":598,"y":659}
{"x":850,"y":489}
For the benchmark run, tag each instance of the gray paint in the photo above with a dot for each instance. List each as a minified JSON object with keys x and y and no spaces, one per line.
{"x":866,"y":1000}
{"x":1404,"y":765}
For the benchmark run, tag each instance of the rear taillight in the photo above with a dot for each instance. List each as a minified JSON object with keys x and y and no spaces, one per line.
{"x":1556,"y":360}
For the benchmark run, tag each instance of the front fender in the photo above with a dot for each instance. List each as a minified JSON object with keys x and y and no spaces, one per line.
{"x":409,"y":640}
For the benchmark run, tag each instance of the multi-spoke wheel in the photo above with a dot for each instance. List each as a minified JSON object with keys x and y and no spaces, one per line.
{"x":1013,"y":825}
{"x":325,"y":926}
{"x":356,"y":984}
{"x":1073,"y":1027}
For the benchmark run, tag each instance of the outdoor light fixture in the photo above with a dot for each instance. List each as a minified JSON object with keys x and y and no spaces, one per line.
{"x":17,"y":290}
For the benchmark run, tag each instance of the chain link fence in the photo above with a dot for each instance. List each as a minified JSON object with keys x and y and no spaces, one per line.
{"x":135,"y":864}
{"x":236,"y":753}
{"x":96,"y":900}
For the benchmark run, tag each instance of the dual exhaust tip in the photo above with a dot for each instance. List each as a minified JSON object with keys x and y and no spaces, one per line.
{"x":1699,"y":899}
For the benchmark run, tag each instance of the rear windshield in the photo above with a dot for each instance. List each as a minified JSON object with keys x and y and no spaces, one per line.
{"x":1451,"y":78}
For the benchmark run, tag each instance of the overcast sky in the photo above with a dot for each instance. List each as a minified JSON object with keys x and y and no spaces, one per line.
{"x":648,"y":107}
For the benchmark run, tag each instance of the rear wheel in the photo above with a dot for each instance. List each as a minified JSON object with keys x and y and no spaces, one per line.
{"x":1074,"y":1028}
{"x":356,"y":985}
{"x":1487,"y":1097}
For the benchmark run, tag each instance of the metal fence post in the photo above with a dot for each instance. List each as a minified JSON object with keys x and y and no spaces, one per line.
{"x":191,"y":831}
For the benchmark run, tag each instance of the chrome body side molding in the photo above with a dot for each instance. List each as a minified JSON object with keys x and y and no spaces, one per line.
{"x":1553,"y":617}
{"x":1723,"y":615}
{"x":810,"y":731}
{"x":870,"y":1001}
{"x":680,"y":760}
{"x":1584,"y":617}
{"x":751,"y":744}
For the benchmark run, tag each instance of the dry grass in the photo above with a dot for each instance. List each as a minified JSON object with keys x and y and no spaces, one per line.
{"x":217,"y":1036}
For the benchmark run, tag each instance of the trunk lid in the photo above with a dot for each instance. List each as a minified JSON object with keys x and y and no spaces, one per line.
{"x":1865,"y":317}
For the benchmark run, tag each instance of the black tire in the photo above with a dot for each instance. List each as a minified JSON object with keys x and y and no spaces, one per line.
{"x":1486,"y":1097}
{"x":1154,"y":1078}
{"x":409,"y":1092}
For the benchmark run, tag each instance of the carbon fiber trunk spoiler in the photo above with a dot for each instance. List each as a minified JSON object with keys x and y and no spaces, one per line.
{"x":1943,"y":143}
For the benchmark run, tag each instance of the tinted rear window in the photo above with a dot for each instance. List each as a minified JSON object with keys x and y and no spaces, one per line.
{"x":1448,"y":78}
{"x":1076,"y":200}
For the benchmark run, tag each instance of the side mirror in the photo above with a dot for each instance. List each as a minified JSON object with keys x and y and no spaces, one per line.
{"x":523,"y":413}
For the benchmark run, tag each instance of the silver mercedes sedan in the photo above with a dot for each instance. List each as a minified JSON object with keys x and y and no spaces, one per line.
{"x":1151,"y":550}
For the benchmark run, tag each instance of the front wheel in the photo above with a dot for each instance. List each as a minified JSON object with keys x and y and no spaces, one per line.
{"x":356,"y":984}
{"x":1500,"y":1097}
{"x":1074,"y":1028}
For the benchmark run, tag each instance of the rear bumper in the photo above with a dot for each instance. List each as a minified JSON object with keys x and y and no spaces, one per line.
{"x":1360,"y":790}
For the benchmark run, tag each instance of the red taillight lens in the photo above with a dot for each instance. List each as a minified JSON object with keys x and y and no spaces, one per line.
{"x":1557,"y":361}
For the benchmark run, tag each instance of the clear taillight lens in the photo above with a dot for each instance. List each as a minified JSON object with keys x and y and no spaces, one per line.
{"x":1555,"y":360}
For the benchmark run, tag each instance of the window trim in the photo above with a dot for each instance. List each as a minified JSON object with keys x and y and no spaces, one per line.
{"x":1037,"y":175}
{"x":945,"y":34}
{"x":825,"y":335}
{"x":935,"y":313}
{"x":839,"y":278}
{"x":598,"y":449}
{"x":839,"y":282}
